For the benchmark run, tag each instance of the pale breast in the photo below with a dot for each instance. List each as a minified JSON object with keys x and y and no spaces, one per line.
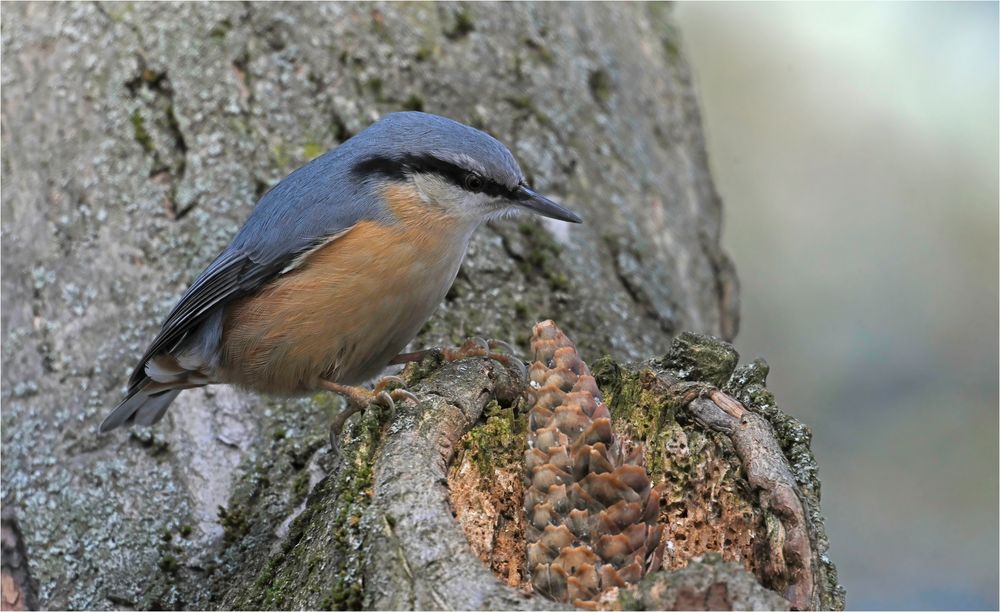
{"x":346,"y":311}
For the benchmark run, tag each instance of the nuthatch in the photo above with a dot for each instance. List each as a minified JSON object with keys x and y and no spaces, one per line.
{"x":337,"y":268}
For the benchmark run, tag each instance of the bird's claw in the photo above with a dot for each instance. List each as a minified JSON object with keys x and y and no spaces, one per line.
{"x":358,"y":399}
{"x":476,"y":347}
{"x":337,"y":424}
{"x":388,"y":399}
{"x":385,"y":381}
{"x":403,"y":394}
{"x":504,"y":347}
{"x":497,"y":350}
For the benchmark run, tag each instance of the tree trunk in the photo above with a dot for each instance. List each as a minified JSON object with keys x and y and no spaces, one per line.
{"x":137,"y":137}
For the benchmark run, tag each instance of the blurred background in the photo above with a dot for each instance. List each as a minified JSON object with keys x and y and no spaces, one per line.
{"x":855,"y":147}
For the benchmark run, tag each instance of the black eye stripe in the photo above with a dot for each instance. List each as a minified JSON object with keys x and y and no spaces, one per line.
{"x":384,"y":166}
{"x":398,"y":168}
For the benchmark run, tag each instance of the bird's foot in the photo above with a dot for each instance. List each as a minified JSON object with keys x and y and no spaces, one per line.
{"x":497,"y":350}
{"x":479,"y":347}
{"x":388,"y":390}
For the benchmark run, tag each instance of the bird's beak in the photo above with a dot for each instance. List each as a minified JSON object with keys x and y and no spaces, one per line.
{"x":535,"y":202}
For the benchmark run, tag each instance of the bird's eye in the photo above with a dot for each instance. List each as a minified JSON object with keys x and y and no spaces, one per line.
{"x":473,"y":182}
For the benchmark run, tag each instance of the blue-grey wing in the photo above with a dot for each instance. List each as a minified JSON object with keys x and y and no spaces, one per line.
{"x":301,"y":212}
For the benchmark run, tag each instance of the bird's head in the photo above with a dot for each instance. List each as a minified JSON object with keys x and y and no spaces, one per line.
{"x":465,"y":171}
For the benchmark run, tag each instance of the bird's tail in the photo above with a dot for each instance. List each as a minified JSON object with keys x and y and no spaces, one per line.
{"x":144,"y":405}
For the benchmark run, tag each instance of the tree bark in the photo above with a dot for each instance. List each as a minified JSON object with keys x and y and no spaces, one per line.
{"x":136,"y":139}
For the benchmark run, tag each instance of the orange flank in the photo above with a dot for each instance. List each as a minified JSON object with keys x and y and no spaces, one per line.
{"x":375,"y":284}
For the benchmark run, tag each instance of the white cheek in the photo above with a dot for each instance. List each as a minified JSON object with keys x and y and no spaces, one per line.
{"x":465,"y":205}
{"x":480,"y":205}
{"x":456,"y":201}
{"x":429,"y":188}
{"x":479,"y":201}
{"x":503,"y":212}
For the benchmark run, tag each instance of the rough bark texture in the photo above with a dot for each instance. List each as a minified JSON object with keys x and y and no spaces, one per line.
{"x":137,"y":137}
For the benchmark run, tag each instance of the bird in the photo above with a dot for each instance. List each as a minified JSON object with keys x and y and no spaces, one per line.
{"x":336,"y":269}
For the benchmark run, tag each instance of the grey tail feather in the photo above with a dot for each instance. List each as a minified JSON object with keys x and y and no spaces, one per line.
{"x":144,"y":406}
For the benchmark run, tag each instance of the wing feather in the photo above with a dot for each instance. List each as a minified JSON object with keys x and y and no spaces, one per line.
{"x":223,"y":280}
{"x":311,"y":206}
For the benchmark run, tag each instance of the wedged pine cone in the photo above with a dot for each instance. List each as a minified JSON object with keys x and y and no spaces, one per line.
{"x":591,"y":510}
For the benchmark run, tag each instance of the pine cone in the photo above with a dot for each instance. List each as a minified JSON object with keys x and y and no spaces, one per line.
{"x":591,"y":510}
